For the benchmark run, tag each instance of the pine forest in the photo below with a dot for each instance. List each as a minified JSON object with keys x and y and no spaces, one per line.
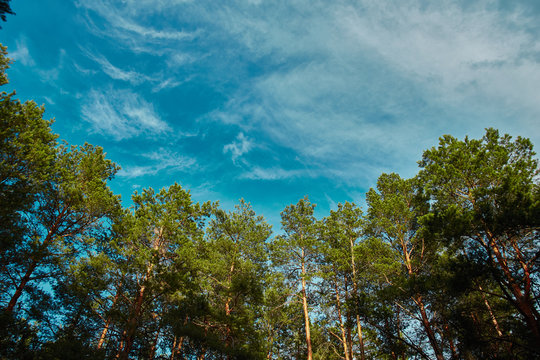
{"x":444,"y":265}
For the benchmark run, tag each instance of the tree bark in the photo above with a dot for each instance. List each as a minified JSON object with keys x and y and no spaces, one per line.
{"x":427,"y":326}
{"x":491,"y":314}
{"x":154,"y":345}
{"x":133,"y":324}
{"x":22,"y":285}
{"x":177,"y":346}
{"x":522,"y":299}
{"x":35,"y":262}
{"x":108,"y":320}
{"x":341,"y":326}
{"x":355,"y":294}
{"x":305,"y":308}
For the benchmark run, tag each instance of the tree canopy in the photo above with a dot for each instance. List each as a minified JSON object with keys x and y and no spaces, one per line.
{"x":5,"y":8}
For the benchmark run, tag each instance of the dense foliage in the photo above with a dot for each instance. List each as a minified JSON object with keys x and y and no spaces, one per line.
{"x":445,"y":265}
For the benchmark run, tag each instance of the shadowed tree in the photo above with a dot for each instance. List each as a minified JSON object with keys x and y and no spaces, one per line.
{"x":393,"y":213}
{"x":74,"y":203}
{"x":486,"y":202}
{"x":156,"y":247}
{"x":27,"y":154}
{"x":5,"y":8}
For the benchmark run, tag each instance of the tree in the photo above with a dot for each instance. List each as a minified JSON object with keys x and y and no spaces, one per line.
{"x":393,"y":213}
{"x":486,"y":202}
{"x":73,"y":204}
{"x":340,"y":233}
{"x":296,"y":253}
{"x":233,"y":275}
{"x":53,"y":197}
{"x":5,"y":8}
{"x":156,"y":249}
{"x":27,"y":155}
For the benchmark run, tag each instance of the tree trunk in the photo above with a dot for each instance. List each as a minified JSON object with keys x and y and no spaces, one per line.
{"x":427,"y":326}
{"x":420,"y":304}
{"x":522,"y":300}
{"x":271,"y":342}
{"x":136,"y":314}
{"x":177,"y":346}
{"x":22,"y":285}
{"x":341,"y":326}
{"x":104,"y":333}
{"x":491,"y":314}
{"x":355,"y":294}
{"x":451,"y":342}
{"x":154,"y":345}
{"x":108,"y":320}
{"x":34,"y":263}
{"x":305,"y":307}
{"x":133,"y":324}
{"x":350,"y":343}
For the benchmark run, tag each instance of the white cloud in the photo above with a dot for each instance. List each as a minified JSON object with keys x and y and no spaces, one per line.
{"x":116,"y":73}
{"x":351,"y":87}
{"x":456,"y":52}
{"x":167,"y":84}
{"x":274,"y":173}
{"x":21,"y":53}
{"x":376,"y":82}
{"x":162,"y":159}
{"x":158,"y":80}
{"x":121,"y":114}
{"x":239,"y":147}
{"x":177,"y":59}
{"x":149,"y":32}
{"x":123,"y":22}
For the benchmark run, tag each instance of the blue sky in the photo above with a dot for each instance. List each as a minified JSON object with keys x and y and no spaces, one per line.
{"x":273,"y":100}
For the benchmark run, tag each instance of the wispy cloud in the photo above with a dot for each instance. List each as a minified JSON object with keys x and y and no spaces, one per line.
{"x":148,"y":32}
{"x":121,"y":114}
{"x":177,"y":59}
{"x":158,"y":80}
{"x":123,"y":22}
{"x":373,"y":83}
{"x":116,"y":73}
{"x":274,"y":173}
{"x":352,"y":88}
{"x":21,"y":53}
{"x":457,"y":52}
{"x":161,"y":160}
{"x":240,"y":146}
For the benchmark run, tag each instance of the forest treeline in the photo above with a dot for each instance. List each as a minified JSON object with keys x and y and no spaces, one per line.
{"x":444,"y":265}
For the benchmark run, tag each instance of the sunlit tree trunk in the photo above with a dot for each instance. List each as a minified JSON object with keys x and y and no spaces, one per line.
{"x":154,"y":345}
{"x":355,"y":294}
{"x":341,"y":325}
{"x":133,"y":322}
{"x":108,"y":320}
{"x":305,"y":308}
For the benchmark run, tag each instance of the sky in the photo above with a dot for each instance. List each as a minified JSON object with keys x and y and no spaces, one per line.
{"x":274,"y":100}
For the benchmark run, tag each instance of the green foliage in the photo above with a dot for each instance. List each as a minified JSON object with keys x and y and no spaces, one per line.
{"x":27,"y":155}
{"x":300,"y":242}
{"x":486,"y":206}
{"x":5,"y":8}
{"x":233,"y":270}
